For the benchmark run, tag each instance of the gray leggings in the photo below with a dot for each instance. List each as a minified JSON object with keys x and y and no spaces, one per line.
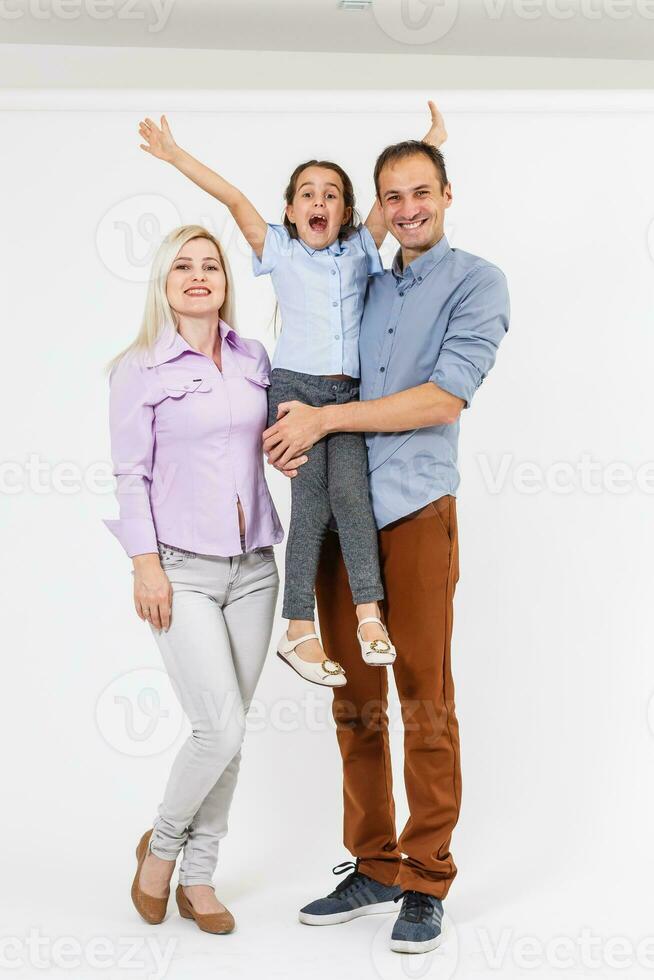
{"x":332,"y":483}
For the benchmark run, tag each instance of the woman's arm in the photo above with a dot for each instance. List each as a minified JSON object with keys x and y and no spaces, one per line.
{"x":436,"y":136}
{"x":160,"y":144}
{"x":132,"y":445}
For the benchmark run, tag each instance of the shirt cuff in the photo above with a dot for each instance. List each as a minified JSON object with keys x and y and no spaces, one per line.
{"x":458,"y":380}
{"x":136,"y":534}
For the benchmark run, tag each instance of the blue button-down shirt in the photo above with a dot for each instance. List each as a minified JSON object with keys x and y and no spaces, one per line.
{"x":441,"y":319}
{"x":320,"y":294}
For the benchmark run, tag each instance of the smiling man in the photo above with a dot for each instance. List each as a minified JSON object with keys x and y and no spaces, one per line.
{"x":430,"y":332}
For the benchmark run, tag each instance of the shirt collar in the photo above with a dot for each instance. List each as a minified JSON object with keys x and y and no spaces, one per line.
{"x":423,"y":264}
{"x":334,"y":249}
{"x":171,"y":344}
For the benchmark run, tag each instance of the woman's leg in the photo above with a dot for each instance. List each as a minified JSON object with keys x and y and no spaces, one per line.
{"x":198,"y":657}
{"x":248,"y":614}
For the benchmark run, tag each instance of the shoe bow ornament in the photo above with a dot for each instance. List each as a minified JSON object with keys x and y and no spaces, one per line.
{"x":380,"y":646}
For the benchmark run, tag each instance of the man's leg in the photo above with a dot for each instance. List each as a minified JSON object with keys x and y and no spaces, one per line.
{"x":421,"y":567}
{"x":362,"y":726}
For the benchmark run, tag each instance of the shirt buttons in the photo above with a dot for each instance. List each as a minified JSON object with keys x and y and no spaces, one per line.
{"x":335,"y":303}
{"x":333,"y":272}
{"x":419,"y":278}
{"x":390,"y":330}
{"x":337,"y":336}
{"x":382,"y":370}
{"x":401,"y":292}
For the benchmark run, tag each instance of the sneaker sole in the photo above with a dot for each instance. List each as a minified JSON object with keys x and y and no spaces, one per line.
{"x":337,"y":917}
{"x":405,"y":946}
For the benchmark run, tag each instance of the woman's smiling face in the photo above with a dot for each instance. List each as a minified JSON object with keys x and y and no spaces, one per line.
{"x":196,"y":283}
{"x":318,"y":210}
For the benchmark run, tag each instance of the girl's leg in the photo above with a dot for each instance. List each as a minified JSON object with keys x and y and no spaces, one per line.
{"x":310,"y":516}
{"x":347,"y":470}
{"x":248,"y":614}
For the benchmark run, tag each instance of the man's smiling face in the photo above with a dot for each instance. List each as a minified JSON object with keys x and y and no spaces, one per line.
{"x":414,"y":203}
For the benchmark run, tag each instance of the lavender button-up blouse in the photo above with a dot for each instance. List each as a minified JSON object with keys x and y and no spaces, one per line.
{"x":186,"y":446}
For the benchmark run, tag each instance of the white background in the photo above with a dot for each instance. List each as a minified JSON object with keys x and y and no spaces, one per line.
{"x":553,"y":620}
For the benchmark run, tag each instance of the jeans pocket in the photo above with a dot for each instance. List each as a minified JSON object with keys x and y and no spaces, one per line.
{"x":171,"y":559}
{"x":266,"y":554}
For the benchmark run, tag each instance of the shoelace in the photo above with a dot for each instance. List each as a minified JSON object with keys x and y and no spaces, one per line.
{"x":416,"y":906}
{"x":343,"y":887}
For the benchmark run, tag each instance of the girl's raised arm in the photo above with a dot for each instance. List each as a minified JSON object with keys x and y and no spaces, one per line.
{"x":160,"y":144}
{"x":436,"y":136}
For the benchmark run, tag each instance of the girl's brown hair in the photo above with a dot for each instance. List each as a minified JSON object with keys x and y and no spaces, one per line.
{"x":348,"y":196}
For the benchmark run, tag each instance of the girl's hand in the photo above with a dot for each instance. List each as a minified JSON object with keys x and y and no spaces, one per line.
{"x":160,"y":142}
{"x":437,"y":133}
{"x":153,"y":593}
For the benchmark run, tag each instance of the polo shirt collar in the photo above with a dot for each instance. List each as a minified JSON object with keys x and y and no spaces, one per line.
{"x":171,"y":344}
{"x":423,"y":264}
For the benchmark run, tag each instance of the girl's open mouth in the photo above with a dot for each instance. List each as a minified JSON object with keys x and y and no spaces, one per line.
{"x":318,"y":222}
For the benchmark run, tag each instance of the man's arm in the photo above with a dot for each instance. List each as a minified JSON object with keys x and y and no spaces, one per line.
{"x":301,"y":426}
{"x":475,"y":330}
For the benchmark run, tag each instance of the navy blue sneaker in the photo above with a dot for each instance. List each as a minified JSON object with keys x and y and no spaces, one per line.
{"x":418,"y":926}
{"x":355,"y":895}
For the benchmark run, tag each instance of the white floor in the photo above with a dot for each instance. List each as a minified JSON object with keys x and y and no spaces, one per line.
{"x":512,"y":921}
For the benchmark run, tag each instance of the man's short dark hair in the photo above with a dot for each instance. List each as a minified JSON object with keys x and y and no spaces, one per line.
{"x":411,"y":148}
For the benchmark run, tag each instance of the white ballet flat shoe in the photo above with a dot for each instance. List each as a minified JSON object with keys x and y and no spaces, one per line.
{"x":329,"y":673}
{"x":376,"y":653}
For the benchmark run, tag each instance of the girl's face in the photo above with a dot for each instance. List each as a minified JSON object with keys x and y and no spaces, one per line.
{"x":196,"y":283}
{"x":318,"y":210}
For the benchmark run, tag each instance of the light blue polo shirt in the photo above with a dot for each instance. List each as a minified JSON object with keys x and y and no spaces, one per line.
{"x":320,"y":294}
{"x":440,"y":319}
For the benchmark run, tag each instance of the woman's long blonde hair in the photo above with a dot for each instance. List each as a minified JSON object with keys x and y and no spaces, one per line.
{"x":158,"y":313}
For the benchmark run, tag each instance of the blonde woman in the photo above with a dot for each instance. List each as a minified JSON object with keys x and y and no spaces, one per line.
{"x":188,"y":404}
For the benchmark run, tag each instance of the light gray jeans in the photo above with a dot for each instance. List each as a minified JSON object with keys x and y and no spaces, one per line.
{"x":221,"y":622}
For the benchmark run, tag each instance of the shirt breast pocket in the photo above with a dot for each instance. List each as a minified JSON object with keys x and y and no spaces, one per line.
{"x":258,"y":378}
{"x":178,"y":387}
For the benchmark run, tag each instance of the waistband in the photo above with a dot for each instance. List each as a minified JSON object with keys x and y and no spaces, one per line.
{"x":319,"y":381}
{"x":162,"y":546}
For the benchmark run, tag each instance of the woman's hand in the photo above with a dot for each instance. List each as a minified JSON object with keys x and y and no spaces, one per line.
{"x":160,"y":142}
{"x":437,"y":133}
{"x":153,"y":593}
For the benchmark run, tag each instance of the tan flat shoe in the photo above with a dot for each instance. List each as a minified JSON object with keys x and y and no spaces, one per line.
{"x":149,"y":907}
{"x":216,"y":922}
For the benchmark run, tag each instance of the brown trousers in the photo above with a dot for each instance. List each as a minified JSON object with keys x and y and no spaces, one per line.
{"x":420,"y":567}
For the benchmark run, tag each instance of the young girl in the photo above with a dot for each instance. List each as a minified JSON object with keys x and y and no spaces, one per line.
{"x":319,"y":260}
